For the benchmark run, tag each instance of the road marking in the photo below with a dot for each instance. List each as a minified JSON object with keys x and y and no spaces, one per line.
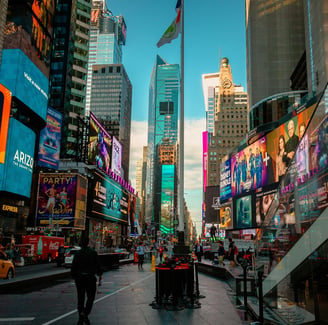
{"x":17,"y":319}
{"x":97,"y":300}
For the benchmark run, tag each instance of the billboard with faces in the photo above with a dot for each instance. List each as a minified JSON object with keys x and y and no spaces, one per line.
{"x":283,"y":142}
{"x":99,"y":145}
{"x":251,"y":168}
{"x":263,"y":202}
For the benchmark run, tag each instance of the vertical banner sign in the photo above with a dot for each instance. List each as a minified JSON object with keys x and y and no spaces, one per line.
{"x":205,"y":153}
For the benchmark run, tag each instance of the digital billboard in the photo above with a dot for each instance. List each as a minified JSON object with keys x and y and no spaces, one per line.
{"x":81,"y":202}
{"x":225,"y":179}
{"x":107,"y":199}
{"x":99,"y":145}
{"x":167,"y":199}
{"x":50,"y":136}
{"x":283,"y":141}
{"x":56,"y":199}
{"x":244,"y":212}
{"x":205,"y":153}
{"x":116,"y":157}
{"x":5,"y":105}
{"x":25,"y":81}
{"x":226,"y":217}
{"x":16,"y":172}
{"x":263,"y":202}
{"x":219,"y":233}
{"x":250,"y":168}
{"x":212,"y":204}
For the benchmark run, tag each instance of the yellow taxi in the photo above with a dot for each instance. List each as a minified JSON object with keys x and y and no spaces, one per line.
{"x":7,"y":268}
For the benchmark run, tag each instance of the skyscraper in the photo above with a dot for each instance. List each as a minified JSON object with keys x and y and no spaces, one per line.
{"x":275,"y":44}
{"x":111,"y":102}
{"x":69,"y":61}
{"x":162,"y":129}
{"x":210,"y":90}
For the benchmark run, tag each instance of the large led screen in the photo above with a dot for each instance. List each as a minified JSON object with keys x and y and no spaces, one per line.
{"x":225,"y":179}
{"x":263,"y":202}
{"x":81,"y":202}
{"x":5,"y":104}
{"x":56,"y":199}
{"x":16,"y":173}
{"x":107,"y":199}
{"x":226,"y":218}
{"x":50,"y":136}
{"x":116,"y":157}
{"x":244,"y":212}
{"x":167,"y":199}
{"x":212,"y":204}
{"x":99,"y":145}
{"x":25,"y":81}
{"x":283,"y":141}
{"x":250,"y":168}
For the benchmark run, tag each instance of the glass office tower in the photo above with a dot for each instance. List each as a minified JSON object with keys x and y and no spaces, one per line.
{"x":162,"y":127}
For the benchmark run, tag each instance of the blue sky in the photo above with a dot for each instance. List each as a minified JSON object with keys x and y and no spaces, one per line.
{"x":212,"y":28}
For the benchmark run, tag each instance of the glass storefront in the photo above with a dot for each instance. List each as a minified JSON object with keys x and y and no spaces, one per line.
{"x":292,"y":244}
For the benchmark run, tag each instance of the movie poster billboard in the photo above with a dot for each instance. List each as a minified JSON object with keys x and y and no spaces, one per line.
{"x":283,"y":141}
{"x":99,"y":145}
{"x":56,"y":199}
{"x":5,"y":105}
{"x":116,"y":157}
{"x":16,"y":172}
{"x":107,"y":199}
{"x":250,"y":168}
{"x":50,"y":137}
{"x":244,"y":212}
{"x":81,"y":202}
{"x":226,"y":218}
{"x":225,"y":179}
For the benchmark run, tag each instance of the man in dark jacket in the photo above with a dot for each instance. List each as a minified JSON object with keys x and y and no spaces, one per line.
{"x":84,"y":268}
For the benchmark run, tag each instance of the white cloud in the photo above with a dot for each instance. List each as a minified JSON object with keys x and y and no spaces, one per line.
{"x":193,"y":162}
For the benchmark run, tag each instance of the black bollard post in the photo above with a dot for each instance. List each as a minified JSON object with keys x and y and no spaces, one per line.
{"x":198,"y":295}
{"x":260,"y":276}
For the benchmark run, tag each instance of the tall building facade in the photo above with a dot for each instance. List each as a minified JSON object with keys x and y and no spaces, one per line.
{"x":69,"y":63}
{"x":210,"y":84}
{"x":107,"y":36}
{"x":162,"y":134}
{"x":230,"y":125}
{"x":111,"y":102}
{"x":275,"y":44}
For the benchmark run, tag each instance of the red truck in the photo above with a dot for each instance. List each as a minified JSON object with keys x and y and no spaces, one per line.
{"x":43,"y":248}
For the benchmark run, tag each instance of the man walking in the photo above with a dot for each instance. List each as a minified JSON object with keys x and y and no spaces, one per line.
{"x":84,"y":268}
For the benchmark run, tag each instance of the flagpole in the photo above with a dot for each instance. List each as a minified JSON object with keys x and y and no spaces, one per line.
{"x":181,"y":146}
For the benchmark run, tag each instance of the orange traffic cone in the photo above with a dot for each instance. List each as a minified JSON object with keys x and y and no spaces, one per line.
{"x":136,"y":259}
{"x":153,"y":263}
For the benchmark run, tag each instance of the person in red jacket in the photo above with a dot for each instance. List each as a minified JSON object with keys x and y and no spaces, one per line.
{"x":161,"y":251}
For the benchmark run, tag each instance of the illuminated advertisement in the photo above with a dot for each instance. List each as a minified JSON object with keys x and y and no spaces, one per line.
{"x":116,"y":157}
{"x":318,"y":148}
{"x":226,"y":221}
{"x":212,"y":204}
{"x":81,"y":202}
{"x":263,"y":202}
{"x":32,"y":21}
{"x":283,"y":141}
{"x":205,"y":153}
{"x":244,"y":212}
{"x":167,"y":198}
{"x":5,"y":104}
{"x":99,"y":145}
{"x":16,"y":173}
{"x":56,"y":199}
{"x":50,"y":136}
{"x":208,"y":230}
{"x":25,"y":81}
{"x":225,"y":179}
{"x":108,"y":200}
{"x":250,"y":168}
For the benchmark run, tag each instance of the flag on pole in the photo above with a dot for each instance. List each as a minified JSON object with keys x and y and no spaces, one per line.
{"x":174,"y":29}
